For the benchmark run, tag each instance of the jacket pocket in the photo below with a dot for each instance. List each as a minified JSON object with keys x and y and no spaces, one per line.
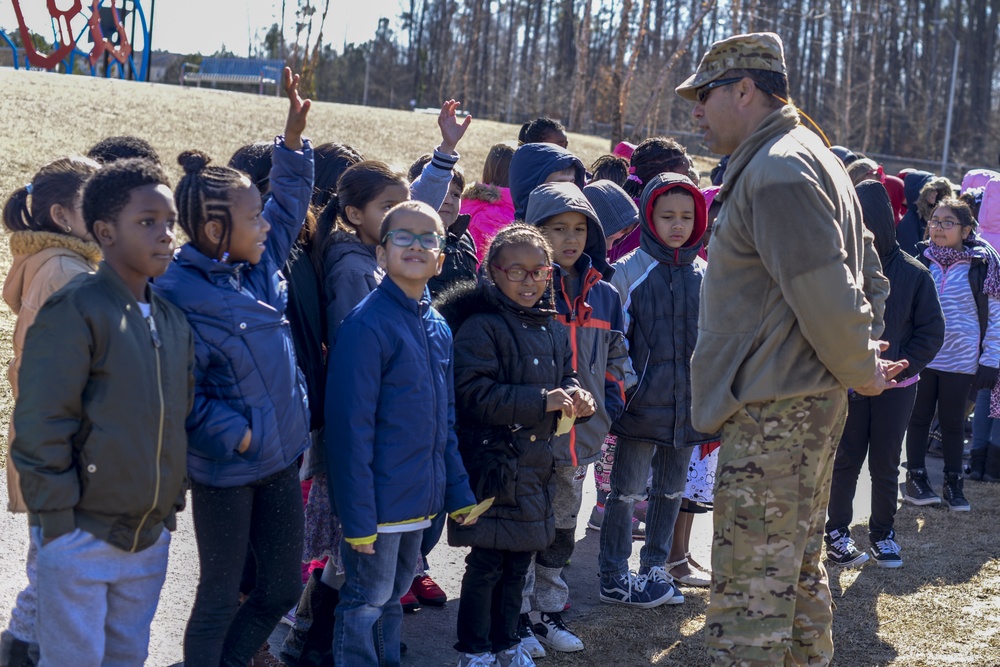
{"x":256,"y":435}
{"x":495,"y":475}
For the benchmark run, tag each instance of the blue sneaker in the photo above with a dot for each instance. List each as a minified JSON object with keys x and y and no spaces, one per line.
{"x":657,"y":575}
{"x":634,"y":590}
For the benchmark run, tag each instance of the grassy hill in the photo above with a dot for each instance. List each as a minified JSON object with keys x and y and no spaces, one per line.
{"x":44,"y":116}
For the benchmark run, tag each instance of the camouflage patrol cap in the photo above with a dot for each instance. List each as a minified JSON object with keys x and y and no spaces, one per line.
{"x":758,"y":50}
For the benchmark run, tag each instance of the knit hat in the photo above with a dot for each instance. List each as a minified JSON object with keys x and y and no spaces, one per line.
{"x":624,"y":149}
{"x":759,"y":50}
{"x":614,"y":208}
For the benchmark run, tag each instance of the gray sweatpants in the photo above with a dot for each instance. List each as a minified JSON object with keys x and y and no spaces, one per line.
{"x":544,"y":588}
{"x":96,"y":602}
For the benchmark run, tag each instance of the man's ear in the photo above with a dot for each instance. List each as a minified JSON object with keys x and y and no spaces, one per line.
{"x":381,"y":257}
{"x":104,"y":232}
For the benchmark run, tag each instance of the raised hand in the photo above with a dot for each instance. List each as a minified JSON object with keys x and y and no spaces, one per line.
{"x":298,"y":109}
{"x":452,"y":130}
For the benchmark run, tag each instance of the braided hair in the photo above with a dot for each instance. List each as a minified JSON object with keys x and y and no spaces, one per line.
{"x":60,"y":182}
{"x":539,"y":130}
{"x":610,"y":168}
{"x":653,"y":156}
{"x":204,"y":195}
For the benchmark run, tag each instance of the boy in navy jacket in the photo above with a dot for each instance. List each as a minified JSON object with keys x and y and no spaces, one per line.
{"x":390,"y":393}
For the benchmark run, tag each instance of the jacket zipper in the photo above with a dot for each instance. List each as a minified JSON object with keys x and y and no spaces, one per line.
{"x":430,"y":367}
{"x":159,"y":438}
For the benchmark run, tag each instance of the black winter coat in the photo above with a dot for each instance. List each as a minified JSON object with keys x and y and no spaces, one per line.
{"x":914,"y":323}
{"x":911,"y":228}
{"x":506,"y":360}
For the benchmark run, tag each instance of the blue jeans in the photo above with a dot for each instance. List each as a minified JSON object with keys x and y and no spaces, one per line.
{"x":983,"y":425}
{"x":96,"y":602}
{"x":369,"y":615}
{"x":628,"y":485}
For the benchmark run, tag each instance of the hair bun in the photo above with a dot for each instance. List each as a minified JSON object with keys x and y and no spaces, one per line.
{"x":193,"y":161}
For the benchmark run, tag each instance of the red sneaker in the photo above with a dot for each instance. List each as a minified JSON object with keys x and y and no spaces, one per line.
{"x":409,"y":601}
{"x":428,"y":592}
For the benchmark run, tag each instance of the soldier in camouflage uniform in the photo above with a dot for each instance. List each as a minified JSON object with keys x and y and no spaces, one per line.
{"x":791,"y":304}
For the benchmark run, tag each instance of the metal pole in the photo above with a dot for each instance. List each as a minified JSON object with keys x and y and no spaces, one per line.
{"x":951,"y":106}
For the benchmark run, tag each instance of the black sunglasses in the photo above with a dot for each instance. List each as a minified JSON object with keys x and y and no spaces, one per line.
{"x":709,"y":87}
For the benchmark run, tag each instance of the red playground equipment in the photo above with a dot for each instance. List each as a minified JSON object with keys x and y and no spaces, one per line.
{"x":91,"y":30}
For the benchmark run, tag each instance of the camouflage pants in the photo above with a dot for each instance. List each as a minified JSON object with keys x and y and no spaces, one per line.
{"x":770,"y":600}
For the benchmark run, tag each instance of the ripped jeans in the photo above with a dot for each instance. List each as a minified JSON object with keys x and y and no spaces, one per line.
{"x":628,"y":485}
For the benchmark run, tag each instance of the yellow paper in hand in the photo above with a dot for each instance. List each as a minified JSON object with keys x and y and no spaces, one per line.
{"x":478,"y":510}
{"x":565,"y":424}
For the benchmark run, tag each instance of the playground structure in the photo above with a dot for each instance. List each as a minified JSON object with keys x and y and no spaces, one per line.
{"x":108,"y":30}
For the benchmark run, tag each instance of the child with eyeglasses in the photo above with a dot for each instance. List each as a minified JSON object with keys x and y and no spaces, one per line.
{"x":513,"y":378}
{"x":395,"y":465}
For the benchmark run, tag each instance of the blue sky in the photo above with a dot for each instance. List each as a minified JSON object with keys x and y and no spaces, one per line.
{"x":189,"y":26}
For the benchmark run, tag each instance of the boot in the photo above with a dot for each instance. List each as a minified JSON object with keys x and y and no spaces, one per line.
{"x":16,"y":652}
{"x":313,"y":631}
{"x":954,"y":496}
{"x":977,"y":465}
{"x":991,"y":468}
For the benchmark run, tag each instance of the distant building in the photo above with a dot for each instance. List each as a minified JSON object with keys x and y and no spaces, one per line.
{"x":159,"y":63}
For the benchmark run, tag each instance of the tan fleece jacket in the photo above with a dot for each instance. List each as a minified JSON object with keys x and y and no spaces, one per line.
{"x":43,"y":263}
{"x":783,"y":308}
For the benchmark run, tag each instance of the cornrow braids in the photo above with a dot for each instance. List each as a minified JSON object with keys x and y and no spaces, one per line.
{"x":654,"y":156}
{"x":610,"y":168}
{"x":204,"y":195}
{"x":60,"y":182}
{"x":108,"y":191}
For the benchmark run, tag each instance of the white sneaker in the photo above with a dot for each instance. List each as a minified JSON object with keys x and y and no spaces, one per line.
{"x":515,"y":656}
{"x":551,"y":631}
{"x":476,"y":660}
{"x":528,"y":639}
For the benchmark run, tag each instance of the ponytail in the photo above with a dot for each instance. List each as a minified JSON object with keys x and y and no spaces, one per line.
{"x":59,"y":183}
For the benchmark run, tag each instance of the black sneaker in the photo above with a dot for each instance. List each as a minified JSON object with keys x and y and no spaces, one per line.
{"x":918,"y":490}
{"x":886,"y":552}
{"x":840,"y":549}
{"x":954,"y":496}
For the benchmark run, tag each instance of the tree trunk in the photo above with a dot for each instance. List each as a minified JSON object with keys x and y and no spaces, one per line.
{"x":665,"y":71}
{"x":577,"y":96}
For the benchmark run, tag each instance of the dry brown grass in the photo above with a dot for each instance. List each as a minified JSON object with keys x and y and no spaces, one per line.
{"x":941,"y":608}
{"x":44,"y":116}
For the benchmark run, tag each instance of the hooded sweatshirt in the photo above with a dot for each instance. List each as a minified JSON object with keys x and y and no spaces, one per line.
{"x":594,"y":320}
{"x":43,"y":263}
{"x":661,"y":325}
{"x":910,"y":230}
{"x":531,"y":164}
{"x":914,"y":323}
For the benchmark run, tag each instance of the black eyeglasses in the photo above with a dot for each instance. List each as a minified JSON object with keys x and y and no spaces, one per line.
{"x":404,"y":239}
{"x":540,"y":274}
{"x":934,"y":223}
{"x":703,"y":92}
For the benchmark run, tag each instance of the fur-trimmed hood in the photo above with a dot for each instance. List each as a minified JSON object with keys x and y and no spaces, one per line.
{"x":467,"y":298}
{"x":944,"y":188}
{"x":31,"y":250}
{"x":484,"y":192}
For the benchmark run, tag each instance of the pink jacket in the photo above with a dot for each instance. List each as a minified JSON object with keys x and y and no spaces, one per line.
{"x":491,"y":209}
